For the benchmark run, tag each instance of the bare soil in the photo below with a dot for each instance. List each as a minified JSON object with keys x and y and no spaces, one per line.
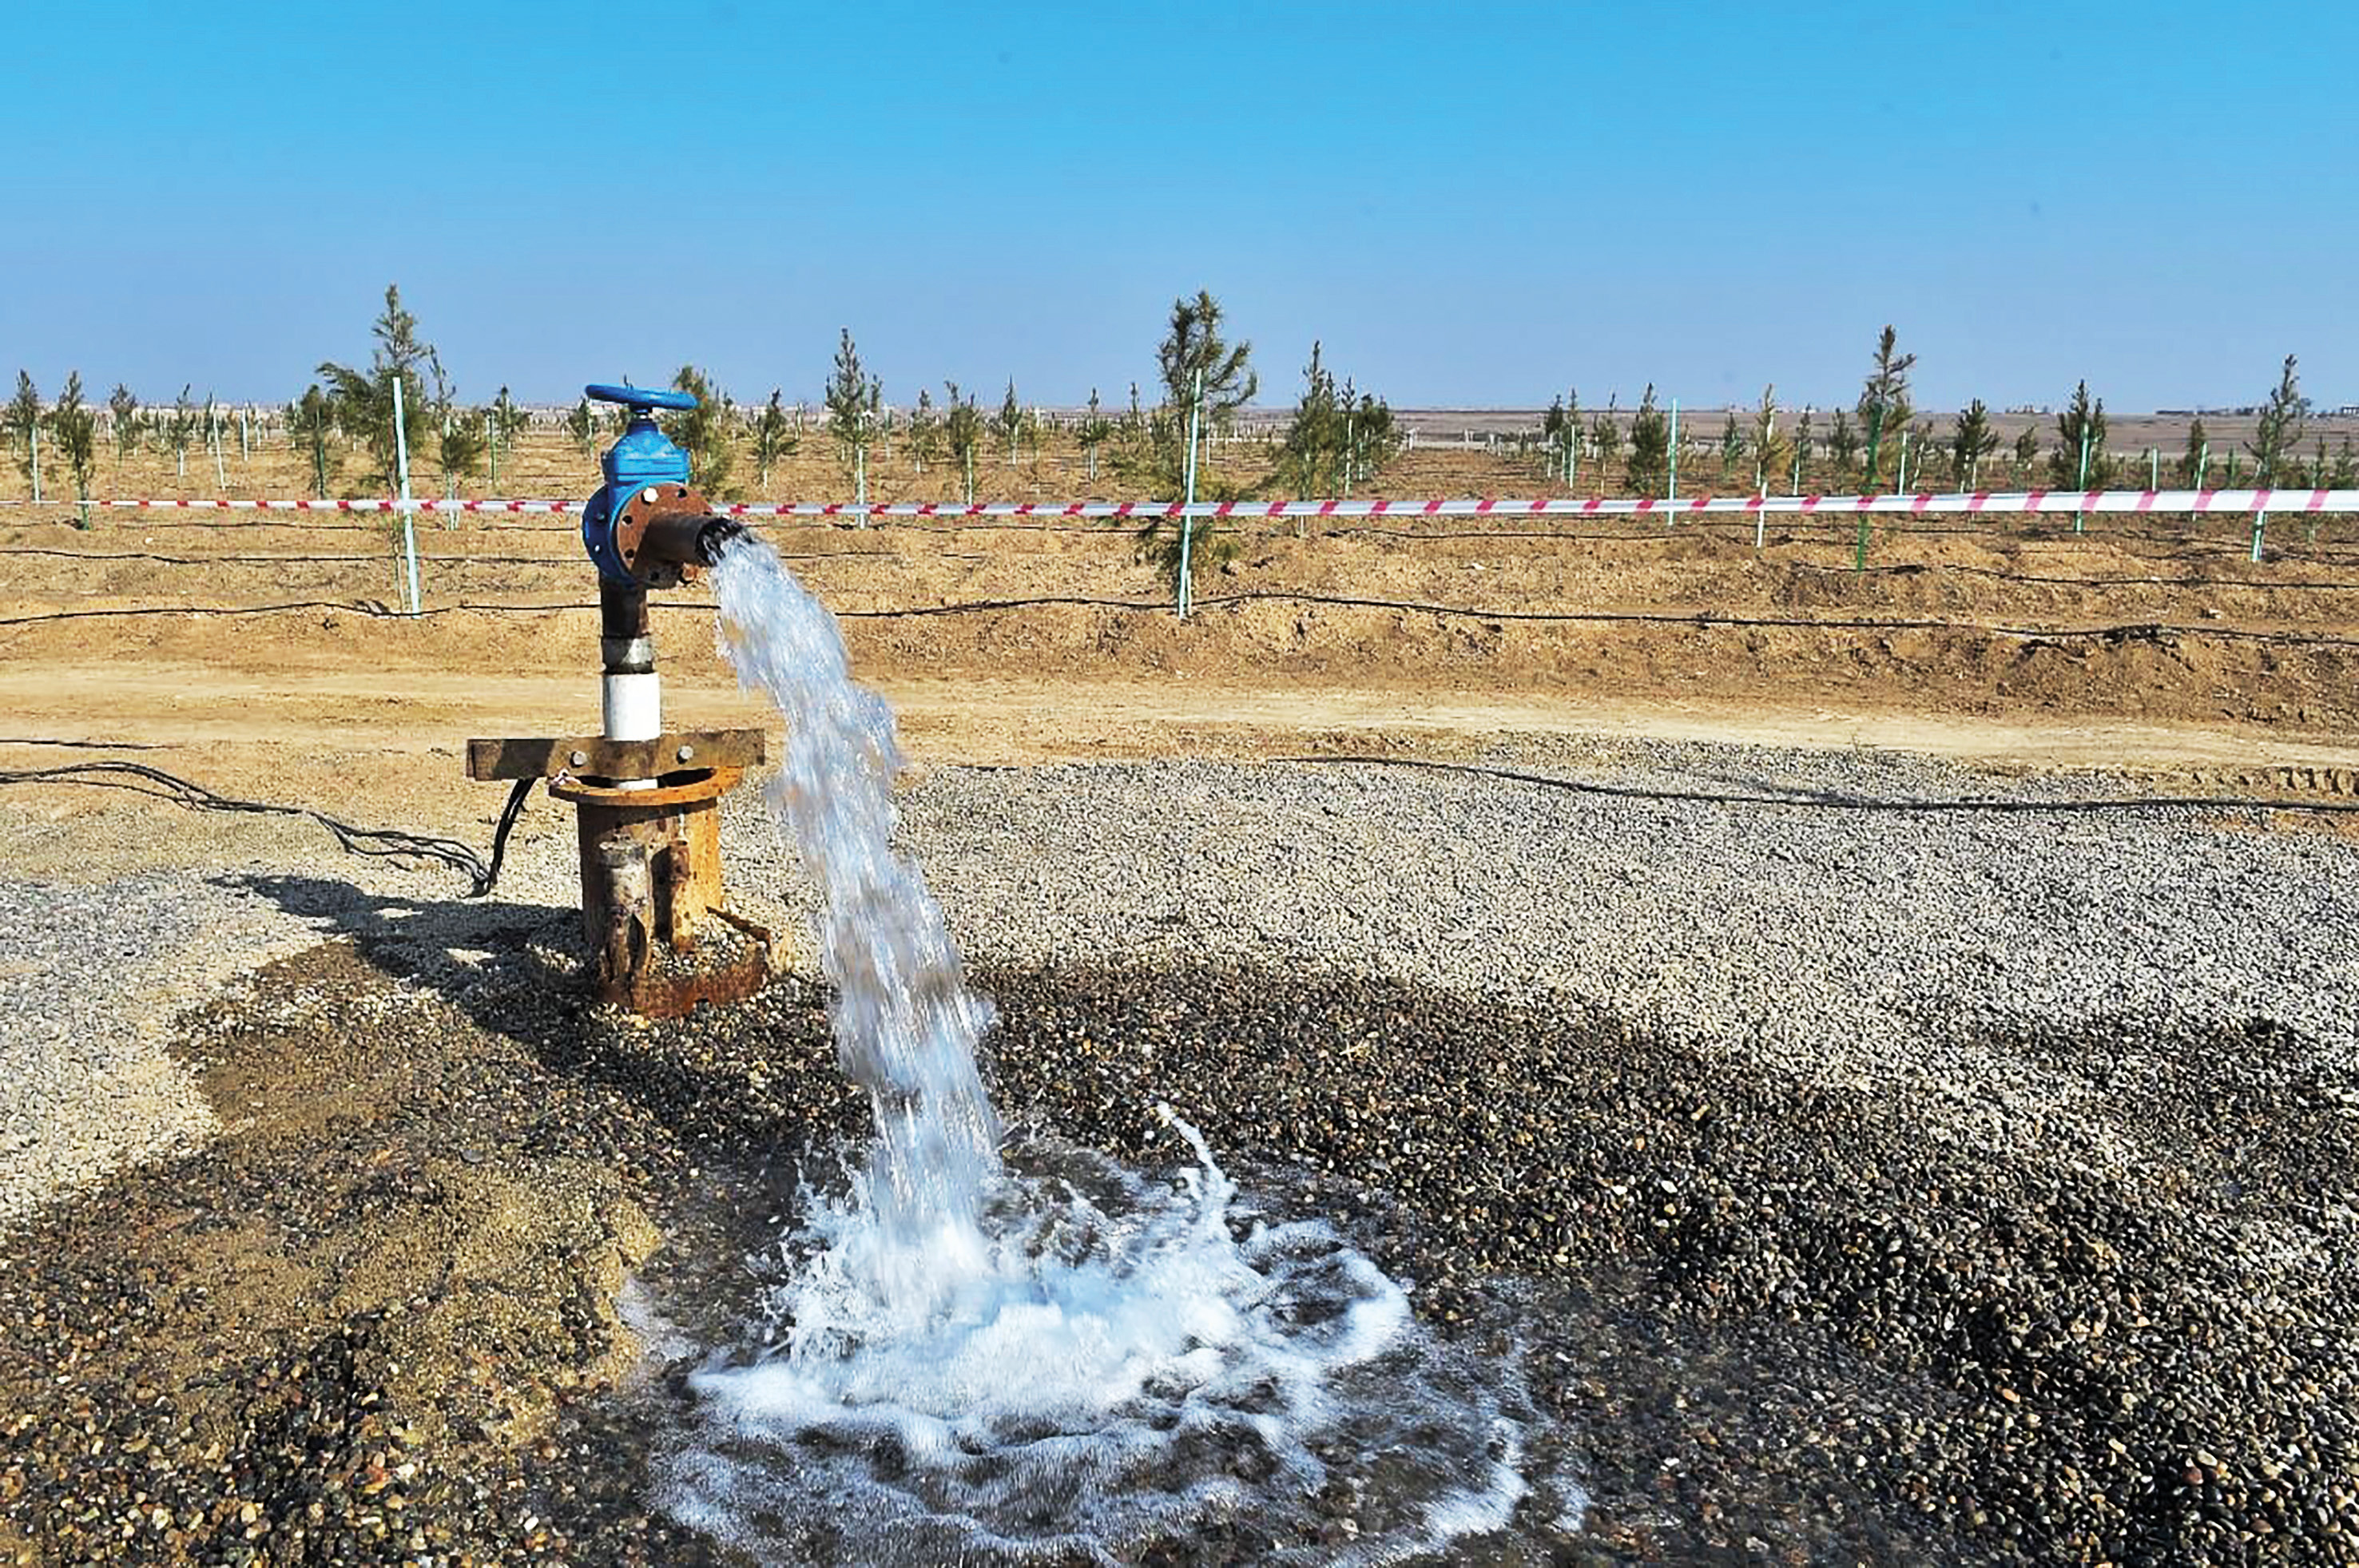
{"x":2151,"y":645}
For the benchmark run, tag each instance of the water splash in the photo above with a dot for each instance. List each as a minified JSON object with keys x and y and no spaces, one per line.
{"x":1139,"y":1362}
{"x":905,"y":1024}
{"x":1064,"y":1362}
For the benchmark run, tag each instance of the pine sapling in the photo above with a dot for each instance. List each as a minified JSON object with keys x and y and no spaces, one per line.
{"x":74,"y":429}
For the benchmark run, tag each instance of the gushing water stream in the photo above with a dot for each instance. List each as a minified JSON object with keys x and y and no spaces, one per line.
{"x":1064,"y":1360}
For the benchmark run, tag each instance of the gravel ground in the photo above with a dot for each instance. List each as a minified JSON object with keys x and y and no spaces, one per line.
{"x":89,"y":985}
{"x":1871,"y":1185}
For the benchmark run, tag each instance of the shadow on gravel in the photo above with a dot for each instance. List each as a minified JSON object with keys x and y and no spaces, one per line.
{"x":1774,"y":1315}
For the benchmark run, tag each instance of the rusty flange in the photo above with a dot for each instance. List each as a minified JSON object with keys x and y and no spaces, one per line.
{"x":645,"y":505}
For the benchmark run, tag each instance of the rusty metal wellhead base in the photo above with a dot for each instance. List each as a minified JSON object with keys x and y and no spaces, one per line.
{"x":653,"y":903}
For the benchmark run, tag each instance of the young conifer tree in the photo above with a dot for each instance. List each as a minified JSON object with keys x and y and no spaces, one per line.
{"x":963,"y":429}
{"x":364,"y":398}
{"x":1011,"y":420}
{"x":74,"y":429}
{"x":1972,"y":440}
{"x":774,"y":437}
{"x":1210,"y":378}
{"x":311,"y":419}
{"x":1310,"y":454}
{"x":581,"y":426}
{"x":1552,"y":434}
{"x":2276,"y":435}
{"x":180,"y":431}
{"x":2080,"y":429}
{"x":847,"y":403}
{"x":1842,"y":445}
{"x":925,"y":430}
{"x":1095,"y":431}
{"x":1203,"y":372}
{"x":1883,"y":410}
{"x":1771,"y":451}
{"x":2193,"y":461}
{"x":122,"y":420}
{"x":461,"y":441}
{"x":1650,"y":447}
{"x":1606,"y":436}
{"x":704,"y":432}
{"x":22,"y":420}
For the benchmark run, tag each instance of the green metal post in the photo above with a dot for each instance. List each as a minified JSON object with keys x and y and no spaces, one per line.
{"x":33,"y":441}
{"x":1675,"y":460}
{"x":408,"y":512}
{"x":1187,"y":516}
{"x":2080,"y":513}
{"x":1875,"y":437}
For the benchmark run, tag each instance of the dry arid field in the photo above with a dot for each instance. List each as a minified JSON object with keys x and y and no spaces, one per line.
{"x":1845,"y":1175}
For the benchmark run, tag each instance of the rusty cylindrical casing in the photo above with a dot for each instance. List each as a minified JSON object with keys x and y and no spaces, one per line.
{"x":651,"y":884}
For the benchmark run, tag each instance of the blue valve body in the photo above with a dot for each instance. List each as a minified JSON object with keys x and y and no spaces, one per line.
{"x":644,"y":456}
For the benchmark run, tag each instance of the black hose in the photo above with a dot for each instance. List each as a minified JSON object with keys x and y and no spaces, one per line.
{"x":1701,"y":620}
{"x":509,"y":815}
{"x":1835,"y":799}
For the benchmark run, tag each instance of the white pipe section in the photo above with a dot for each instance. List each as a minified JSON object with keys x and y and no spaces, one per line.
{"x":634,"y":705}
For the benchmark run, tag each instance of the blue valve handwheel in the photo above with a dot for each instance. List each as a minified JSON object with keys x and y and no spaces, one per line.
{"x":640,"y":397}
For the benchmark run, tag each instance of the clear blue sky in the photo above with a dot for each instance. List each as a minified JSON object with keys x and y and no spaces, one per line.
{"x":1470,"y":202}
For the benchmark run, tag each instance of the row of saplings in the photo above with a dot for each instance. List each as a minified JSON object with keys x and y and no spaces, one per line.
{"x":1337,"y":439}
{"x":1882,"y":444}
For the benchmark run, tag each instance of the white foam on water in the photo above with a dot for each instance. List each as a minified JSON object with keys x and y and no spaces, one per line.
{"x":963,"y":1361}
{"x":1131,"y":1359}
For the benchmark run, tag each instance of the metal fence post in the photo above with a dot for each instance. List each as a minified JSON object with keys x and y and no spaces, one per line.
{"x":1187,"y":512}
{"x":401,"y":473}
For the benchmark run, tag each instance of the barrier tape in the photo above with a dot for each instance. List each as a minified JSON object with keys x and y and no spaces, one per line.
{"x":1993,"y":502}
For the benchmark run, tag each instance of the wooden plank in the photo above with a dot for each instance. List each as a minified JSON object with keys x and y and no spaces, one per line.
{"x":603,"y":758}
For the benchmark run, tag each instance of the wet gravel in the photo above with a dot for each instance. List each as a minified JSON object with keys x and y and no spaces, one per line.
{"x":1859,"y":1188}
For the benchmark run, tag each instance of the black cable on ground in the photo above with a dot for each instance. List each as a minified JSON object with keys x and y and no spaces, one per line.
{"x":1832,"y":800}
{"x":1930,"y":569}
{"x":2121,"y":632}
{"x":509,"y":815}
{"x":384,"y":844}
{"x":79,"y":744}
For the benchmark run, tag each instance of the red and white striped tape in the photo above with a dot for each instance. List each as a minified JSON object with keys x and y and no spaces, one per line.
{"x":1995,"y":502}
